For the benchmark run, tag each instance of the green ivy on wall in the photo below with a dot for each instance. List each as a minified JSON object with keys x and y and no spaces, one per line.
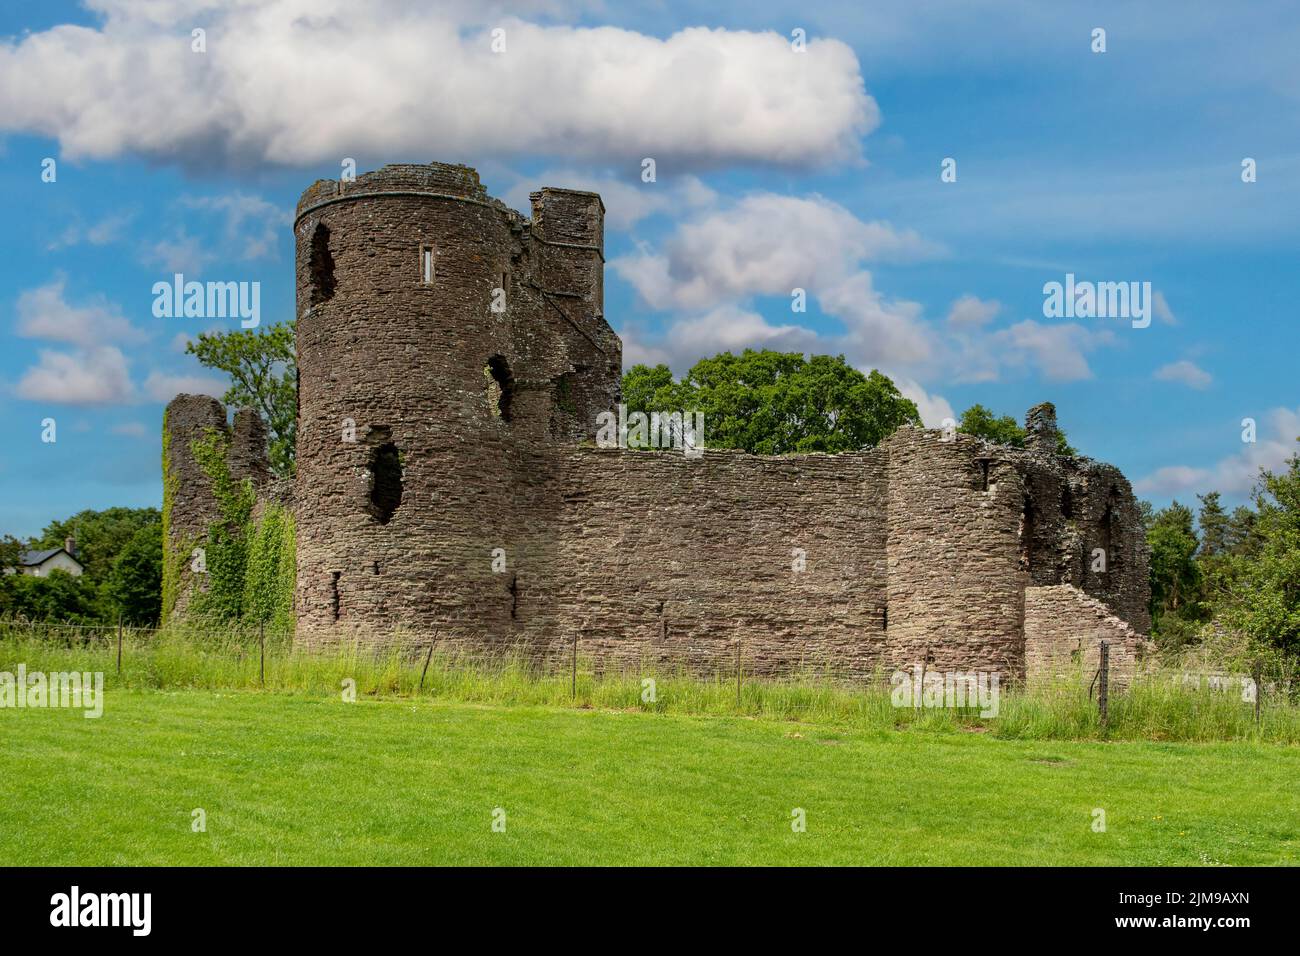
{"x":250,"y":557}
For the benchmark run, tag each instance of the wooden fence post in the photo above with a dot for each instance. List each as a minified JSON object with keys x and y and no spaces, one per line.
{"x":1258,"y":676}
{"x":119,"y":643}
{"x":426,"y":667}
{"x":574,"y":688}
{"x":1103,"y":684}
{"x":738,"y":672}
{"x":261,"y":648}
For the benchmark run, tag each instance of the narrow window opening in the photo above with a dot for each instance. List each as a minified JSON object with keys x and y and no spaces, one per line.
{"x":884,"y":618}
{"x":984,"y":474}
{"x":514,"y":596}
{"x":500,"y":387}
{"x":334,"y":592}
{"x":385,"y":482}
{"x":426,"y":265}
{"x":320,"y":267}
{"x":1067,"y":502}
{"x":376,"y":567}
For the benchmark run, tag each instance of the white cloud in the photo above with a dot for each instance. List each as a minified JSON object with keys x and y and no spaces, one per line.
{"x":252,"y":225}
{"x":162,"y":387}
{"x":180,"y":252}
{"x":766,"y":244}
{"x":45,"y":313}
{"x":972,"y":312}
{"x":934,"y":409}
{"x":107,"y":230}
{"x":91,"y":376}
{"x":1186,"y":373}
{"x":1056,"y":350}
{"x":1234,"y":474}
{"x":288,"y":82}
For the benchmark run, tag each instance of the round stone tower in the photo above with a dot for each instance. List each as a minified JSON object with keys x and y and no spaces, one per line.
{"x":444,"y":341}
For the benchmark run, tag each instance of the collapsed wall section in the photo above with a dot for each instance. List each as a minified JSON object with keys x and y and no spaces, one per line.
{"x":1064,"y":628}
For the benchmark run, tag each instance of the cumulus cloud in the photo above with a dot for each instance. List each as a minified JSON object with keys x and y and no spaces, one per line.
{"x":1058,"y":351}
{"x":1185,"y":373}
{"x":91,"y":376}
{"x":295,"y":83}
{"x":970,"y":311}
{"x":766,"y":244}
{"x":1234,"y":474}
{"x":934,"y":409}
{"x":45,"y":313}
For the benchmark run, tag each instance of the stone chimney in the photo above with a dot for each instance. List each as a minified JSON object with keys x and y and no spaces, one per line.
{"x":70,"y":546}
{"x":1040,"y":428}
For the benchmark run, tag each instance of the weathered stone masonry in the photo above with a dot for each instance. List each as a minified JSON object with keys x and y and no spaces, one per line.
{"x":434,"y":429}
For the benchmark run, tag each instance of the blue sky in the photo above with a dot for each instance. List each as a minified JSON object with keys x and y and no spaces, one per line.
{"x":774,"y":170}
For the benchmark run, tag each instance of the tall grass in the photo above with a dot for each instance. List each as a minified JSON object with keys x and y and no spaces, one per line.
{"x":1156,"y":706}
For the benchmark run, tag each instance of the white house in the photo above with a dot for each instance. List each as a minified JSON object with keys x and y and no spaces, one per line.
{"x":41,"y":563}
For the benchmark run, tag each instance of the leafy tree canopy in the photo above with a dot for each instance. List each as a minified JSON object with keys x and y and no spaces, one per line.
{"x":263,"y":369}
{"x":99,"y":535}
{"x":1003,"y":429}
{"x":775,"y":403}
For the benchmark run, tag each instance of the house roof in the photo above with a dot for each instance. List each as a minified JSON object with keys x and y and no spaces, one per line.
{"x":30,"y":559}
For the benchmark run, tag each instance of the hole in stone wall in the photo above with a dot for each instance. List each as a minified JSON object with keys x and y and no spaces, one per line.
{"x":334,"y":592}
{"x":376,"y":567}
{"x":1067,"y":502}
{"x":514,"y":595}
{"x":884,"y":618}
{"x":320,"y":266}
{"x":385,"y":482}
{"x":500,"y":387}
{"x":1027,"y":521}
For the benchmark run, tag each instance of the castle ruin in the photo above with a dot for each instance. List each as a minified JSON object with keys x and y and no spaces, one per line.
{"x":453,"y":357}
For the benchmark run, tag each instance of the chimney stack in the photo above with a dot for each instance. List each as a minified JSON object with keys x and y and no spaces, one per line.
{"x":70,"y":546}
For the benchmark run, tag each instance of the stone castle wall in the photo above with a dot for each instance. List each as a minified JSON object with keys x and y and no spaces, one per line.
{"x":447,"y":483}
{"x":190,"y":506}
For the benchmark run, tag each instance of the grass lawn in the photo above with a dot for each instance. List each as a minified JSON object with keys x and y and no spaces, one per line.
{"x":295,"y":779}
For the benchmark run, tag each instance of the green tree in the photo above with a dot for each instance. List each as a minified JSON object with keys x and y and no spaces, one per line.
{"x":1176,"y":582}
{"x":263,"y":369}
{"x":1265,"y":602}
{"x":99,"y":536}
{"x":57,"y":596}
{"x":1003,"y":429}
{"x":10,"y":549}
{"x":134,"y":588}
{"x":775,"y":403}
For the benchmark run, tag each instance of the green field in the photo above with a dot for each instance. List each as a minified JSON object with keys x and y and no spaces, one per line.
{"x":301,"y":779}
